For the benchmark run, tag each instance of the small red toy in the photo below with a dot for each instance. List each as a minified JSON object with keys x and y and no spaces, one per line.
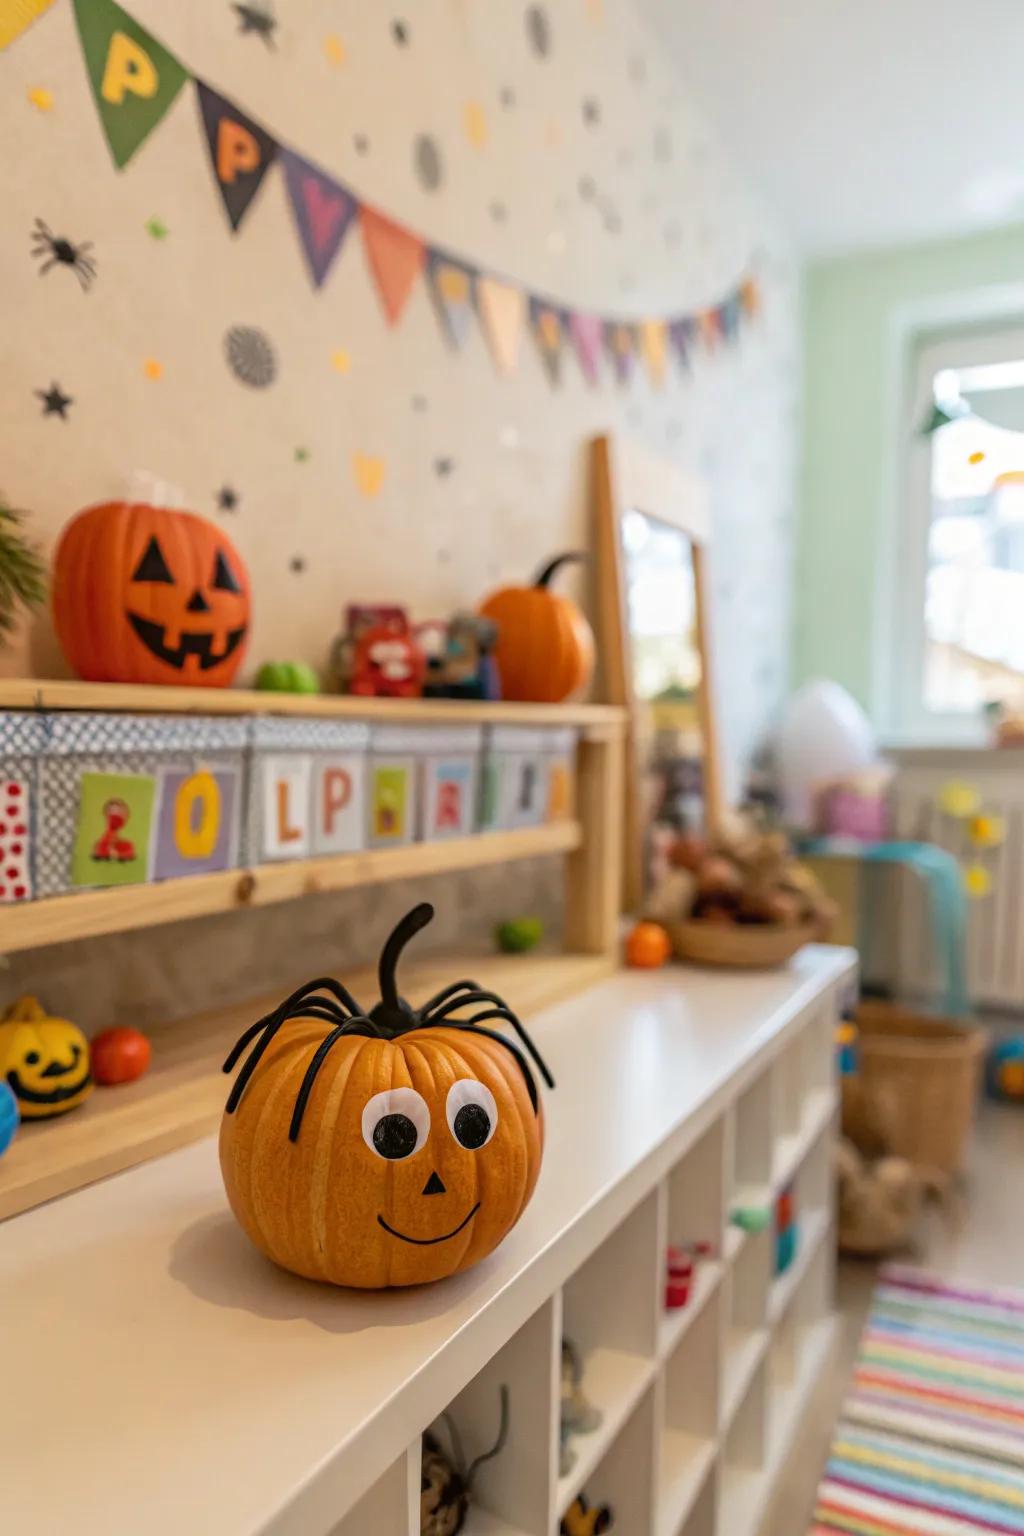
{"x":680,"y":1263}
{"x":119,"y":1056}
{"x":379,"y":655}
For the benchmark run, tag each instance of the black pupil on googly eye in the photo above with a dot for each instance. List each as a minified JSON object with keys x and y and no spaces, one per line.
{"x":394,"y":1136}
{"x":472,"y":1126}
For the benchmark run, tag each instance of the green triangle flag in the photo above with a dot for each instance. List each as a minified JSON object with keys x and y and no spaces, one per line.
{"x":134,"y":79}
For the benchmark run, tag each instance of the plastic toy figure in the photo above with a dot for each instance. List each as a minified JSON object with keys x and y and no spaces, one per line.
{"x":111,"y":845}
{"x":583,"y":1519}
{"x":379,"y":656}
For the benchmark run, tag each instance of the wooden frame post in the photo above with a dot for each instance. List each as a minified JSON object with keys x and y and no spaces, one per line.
{"x":593,"y":874}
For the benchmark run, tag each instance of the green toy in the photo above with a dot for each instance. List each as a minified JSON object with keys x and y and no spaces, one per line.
{"x":519,"y":934}
{"x":751,"y":1218}
{"x":287,"y":677}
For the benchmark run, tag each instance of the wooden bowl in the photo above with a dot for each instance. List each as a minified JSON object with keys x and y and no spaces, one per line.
{"x":754,"y":945}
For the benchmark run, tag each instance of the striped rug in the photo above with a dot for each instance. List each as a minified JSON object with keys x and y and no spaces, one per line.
{"x":931,"y":1438}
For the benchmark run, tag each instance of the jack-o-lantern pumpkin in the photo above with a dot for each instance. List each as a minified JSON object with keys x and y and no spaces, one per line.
{"x":545,"y":650}
{"x":144,"y":594}
{"x":43,"y":1060}
{"x":386,"y":1148}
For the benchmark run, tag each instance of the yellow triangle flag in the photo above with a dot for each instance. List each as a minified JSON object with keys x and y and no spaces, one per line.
{"x":501,"y":307}
{"x":654,"y":346}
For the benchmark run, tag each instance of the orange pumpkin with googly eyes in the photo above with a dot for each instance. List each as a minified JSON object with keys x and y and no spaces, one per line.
{"x":388,"y":1148}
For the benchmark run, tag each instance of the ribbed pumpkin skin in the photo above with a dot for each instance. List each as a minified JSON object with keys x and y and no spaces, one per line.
{"x":545,"y":650}
{"x":312,"y":1205}
{"x":94,"y":591}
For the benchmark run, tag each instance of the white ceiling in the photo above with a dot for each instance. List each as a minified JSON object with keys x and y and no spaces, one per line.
{"x":864,"y":124}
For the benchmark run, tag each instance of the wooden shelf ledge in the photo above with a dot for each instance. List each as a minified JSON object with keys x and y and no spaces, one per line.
{"x":87,"y":914}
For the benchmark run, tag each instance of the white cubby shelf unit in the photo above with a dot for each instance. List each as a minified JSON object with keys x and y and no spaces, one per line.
{"x":682,"y":1093}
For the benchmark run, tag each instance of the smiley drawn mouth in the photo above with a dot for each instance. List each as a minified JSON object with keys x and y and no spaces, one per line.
{"x":195,"y":644}
{"x":425,"y":1242}
{"x":54,"y":1096}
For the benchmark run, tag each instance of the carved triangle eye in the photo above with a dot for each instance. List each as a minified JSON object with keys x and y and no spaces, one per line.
{"x":224,"y":579}
{"x":152,"y":566}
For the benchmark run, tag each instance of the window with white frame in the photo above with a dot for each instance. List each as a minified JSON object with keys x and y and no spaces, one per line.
{"x":960,"y":598}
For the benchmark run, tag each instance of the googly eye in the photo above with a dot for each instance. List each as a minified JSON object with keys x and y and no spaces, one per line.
{"x":472,"y":1113}
{"x":396,"y":1123}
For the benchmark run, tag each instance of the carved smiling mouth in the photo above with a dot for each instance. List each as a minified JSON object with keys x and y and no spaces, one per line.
{"x":52,"y":1096}
{"x":425,"y":1242}
{"x":195,"y":644}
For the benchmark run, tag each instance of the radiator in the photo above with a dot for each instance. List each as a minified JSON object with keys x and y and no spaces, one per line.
{"x":995,"y":942}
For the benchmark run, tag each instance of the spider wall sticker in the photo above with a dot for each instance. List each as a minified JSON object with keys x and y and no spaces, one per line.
{"x":56,"y":250}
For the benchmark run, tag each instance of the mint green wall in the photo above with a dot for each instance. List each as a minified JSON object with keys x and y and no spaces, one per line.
{"x":848,"y":306}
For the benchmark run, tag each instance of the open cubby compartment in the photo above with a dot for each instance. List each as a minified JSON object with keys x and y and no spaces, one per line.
{"x":624,"y":1478}
{"x":805,"y":1093}
{"x":753,"y":1131}
{"x":743,"y":1461}
{"x":817,"y":1041}
{"x":391,"y":1506}
{"x":788,"y":1087}
{"x":689,"y":1418}
{"x":610,"y":1311}
{"x":513,"y":1491}
{"x":694,"y":1200}
{"x":745,"y":1335}
{"x":702,"y":1519}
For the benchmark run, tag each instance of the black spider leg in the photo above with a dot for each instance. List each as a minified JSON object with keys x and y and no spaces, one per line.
{"x":505,"y":1013}
{"x":469,"y":1028}
{"x":445,"y":993}
{"x":47,"y":265}
{"x":290,"y":1008}
{"x":350,"y":1027}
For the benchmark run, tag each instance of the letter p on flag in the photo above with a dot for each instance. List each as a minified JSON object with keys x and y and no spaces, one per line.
{"x":128,"y":69}
{"x":134,"y":79}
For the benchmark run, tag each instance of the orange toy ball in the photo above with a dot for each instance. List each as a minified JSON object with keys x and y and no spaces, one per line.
{"x":144,"y":594}
{"x":119,"y":1056}
{"x":648,"y":946}
{"x":545,"y":650}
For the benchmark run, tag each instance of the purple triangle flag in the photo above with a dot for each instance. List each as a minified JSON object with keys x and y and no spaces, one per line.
{"x":453,"y":286}
{"x":620,"y":340}
{"x":323,"y":212}
{"x":548,"y":323}
{"x":587,"y":333}
{"x":241,"y":152}
{"x":680,"y":336}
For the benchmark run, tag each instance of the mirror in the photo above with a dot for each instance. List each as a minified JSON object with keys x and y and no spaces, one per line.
{"x":652,"y":530}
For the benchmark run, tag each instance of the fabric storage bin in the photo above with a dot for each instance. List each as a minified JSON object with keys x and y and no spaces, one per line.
{"x":128,"y":798}
{"x":558,"y":761}
{"x":517,"y":777}
{"x":392,"y":791}
{"x":307,"y":787}
{"x":448,"y":776}
{"x":21,"y":742}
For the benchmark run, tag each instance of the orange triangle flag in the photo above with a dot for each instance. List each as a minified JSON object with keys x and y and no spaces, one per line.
{"x":501,"y":307}
{"x":395,"y":257}
{"x":654,"y":344}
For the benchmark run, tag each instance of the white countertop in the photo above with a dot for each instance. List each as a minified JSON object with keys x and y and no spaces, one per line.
{"x":159,"y":1375}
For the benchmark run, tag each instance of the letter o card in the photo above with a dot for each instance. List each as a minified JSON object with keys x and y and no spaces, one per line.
{"x":15,"y":841}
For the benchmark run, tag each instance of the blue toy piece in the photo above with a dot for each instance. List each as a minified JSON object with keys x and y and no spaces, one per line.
{"x":846,"y":1048}
{"x":1004,"y":1070}
{"x":10,"y":1117}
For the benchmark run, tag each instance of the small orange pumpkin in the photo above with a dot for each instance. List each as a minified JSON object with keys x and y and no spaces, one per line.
{"x":387,"y":1148}
{"x":648,"y":946}
{"x":545,"y":650}
{"x":144,"y":594}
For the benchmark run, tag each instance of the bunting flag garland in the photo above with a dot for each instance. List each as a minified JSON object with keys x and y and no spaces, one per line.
{"x":395,"y":256}
{"x":586,"y":333}
{"x":135,"y":81}
{"x":16,"y":15}
{"x":241,"y":152}
{"x":451,"y":284}
{"x":323,"y":212}
{"x":621,"y":344}
{"x":500,"y":307}
{"x":547,"y":325}
{"x":133,"y":78}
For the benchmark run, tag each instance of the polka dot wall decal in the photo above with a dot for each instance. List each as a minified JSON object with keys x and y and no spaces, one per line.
{"x":427,"y":161}
{"x":538,"y":30}
{"x":341,"y":361}
{"x":297,"y":564}
{"x":587,"y":188}
{"x":443,"y":467}
{"x":507,"y":96}
{"x":498,"y":212}
{"x":40,"y":98}
{"x":153,"y":368}
{"x":474,"y":122}
{"x":400,"y":32}
{"x":612,"y":222}
{"x":418,"y":402}
{"x":250,"y":356}
{"x":227,"y":499}
{"x":156,"y":229}
{"x":301,"y":455}
{"x":368,"y":473}
{"x":334,"y":49}
{"x":361,"y":143}
{"x":591,"y":111}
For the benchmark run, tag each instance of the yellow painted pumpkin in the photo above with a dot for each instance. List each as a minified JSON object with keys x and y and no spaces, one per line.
{"x":545,"y":650}
{"x":387,"y":1148}
{"x":43,"y":1060}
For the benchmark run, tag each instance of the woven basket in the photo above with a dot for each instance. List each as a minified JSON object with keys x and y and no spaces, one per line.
{"x":754,"y":945}
{"x":929,"y":1069}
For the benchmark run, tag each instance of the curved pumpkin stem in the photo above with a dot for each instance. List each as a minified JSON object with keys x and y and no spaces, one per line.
{"x":543,"y":577}
{"x":391,"y":1011}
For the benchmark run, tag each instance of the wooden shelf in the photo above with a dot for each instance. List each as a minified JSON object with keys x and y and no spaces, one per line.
{"x":86,"y":914}
{"x":182,"y":1097}
{"x":29,"y":693}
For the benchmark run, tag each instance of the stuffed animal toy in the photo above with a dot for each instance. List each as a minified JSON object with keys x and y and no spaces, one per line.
{"x":880,"y":1200}
{"x":583,"y":1519}
{"x":578,"y":1416}
{"x":446,"y":1483}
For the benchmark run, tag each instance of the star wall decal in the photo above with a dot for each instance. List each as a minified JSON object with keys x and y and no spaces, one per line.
{"x":227,"y":499}
{"x":256,"y":18}
{"x":55,"y":401}
{"x":297,"y":565}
